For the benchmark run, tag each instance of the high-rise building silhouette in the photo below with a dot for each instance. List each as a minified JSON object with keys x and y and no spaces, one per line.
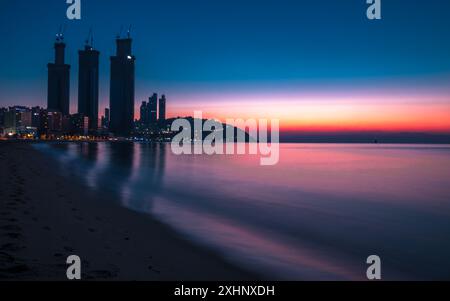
{"x":162,"y":109}
{"x":122,"y":88}
{"x":58,"y":98}
{"x":107,"y":118}
{"x":88,"y":84}
{"x":153,"y":109}
{"x":144,"y":114}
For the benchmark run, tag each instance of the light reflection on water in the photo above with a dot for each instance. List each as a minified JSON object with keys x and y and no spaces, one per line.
{"x":318,"y":214}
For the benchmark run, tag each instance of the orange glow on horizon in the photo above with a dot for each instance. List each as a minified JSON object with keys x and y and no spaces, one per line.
{"x":334,"y":115}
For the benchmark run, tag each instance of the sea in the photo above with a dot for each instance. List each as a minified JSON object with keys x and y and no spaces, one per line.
{"x":316,"y":215}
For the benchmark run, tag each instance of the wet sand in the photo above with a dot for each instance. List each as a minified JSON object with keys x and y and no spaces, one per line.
{"x":45,"y":218}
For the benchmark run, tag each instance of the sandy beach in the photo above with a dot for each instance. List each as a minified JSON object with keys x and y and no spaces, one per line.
{"x":45,"y":218}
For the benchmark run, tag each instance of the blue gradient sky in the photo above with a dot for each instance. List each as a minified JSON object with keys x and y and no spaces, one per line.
{"x":206,"y":54}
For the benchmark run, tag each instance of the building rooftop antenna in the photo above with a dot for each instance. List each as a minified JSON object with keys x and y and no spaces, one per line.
{"x":129,"y":32}
{"x":90,"y":38}
{"x":120,"y":32}
{"x":58,"y":34}
{"x":61,"y":34}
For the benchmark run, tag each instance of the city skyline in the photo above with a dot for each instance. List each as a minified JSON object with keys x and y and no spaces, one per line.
{"x":358,"y":76}
{"x":56,"y":122}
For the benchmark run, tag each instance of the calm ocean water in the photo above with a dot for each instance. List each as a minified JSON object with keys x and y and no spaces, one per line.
{"x":317,"y":215}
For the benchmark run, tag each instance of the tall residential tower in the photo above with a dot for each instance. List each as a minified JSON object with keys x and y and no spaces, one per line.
{"x":122,"y":88}
{"x":153,"y":109}
{"x":162,"y":109}
{"x":88,"y":84}
{"x":58,"y":97}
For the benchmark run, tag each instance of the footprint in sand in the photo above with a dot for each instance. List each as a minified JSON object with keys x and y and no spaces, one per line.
{"x":13,"y":235}
{"x":103,"y":274}
{"x":6,"y":258}
{"x":10,"y":228}
{"x":154,"y":270}
{"x":11,"y":247}
{"x":11,"y":220}
{"x":61,"y":266}
{"x":20,"y":201}
{"x":17,"y":269}
{"x":69,"y":249}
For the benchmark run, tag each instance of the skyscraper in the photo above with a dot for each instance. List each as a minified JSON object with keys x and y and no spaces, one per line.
{"x":58,"y":97}
{"x":88,"y":84}
{"x":162,"y":109}
{"x":107,"y":118}
{"x":153,"y":109}
{"x":144,"y":114}
{"x":122,"y":88}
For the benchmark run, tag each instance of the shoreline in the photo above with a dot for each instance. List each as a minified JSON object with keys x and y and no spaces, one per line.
{"x":319,"y":142}
{"x":44,"y":218}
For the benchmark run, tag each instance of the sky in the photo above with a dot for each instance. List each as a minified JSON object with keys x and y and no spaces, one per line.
{"x":315,"y":65}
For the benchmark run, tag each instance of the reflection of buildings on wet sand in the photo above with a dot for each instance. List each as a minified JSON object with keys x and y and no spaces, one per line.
{"x":128,"y":170}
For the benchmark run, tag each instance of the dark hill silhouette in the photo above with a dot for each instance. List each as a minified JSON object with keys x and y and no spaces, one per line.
{"x":168,"y":122}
